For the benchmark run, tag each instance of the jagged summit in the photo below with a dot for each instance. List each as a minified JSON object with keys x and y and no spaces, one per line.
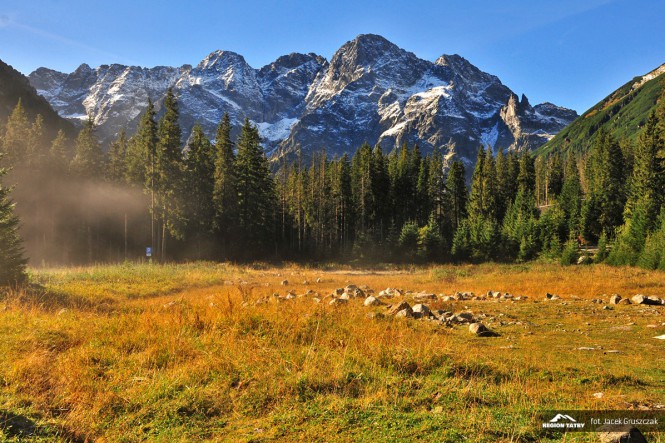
{"x":370,"y":91}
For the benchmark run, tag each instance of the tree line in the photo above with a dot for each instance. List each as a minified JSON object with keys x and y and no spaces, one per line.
{"x":223,"y":199}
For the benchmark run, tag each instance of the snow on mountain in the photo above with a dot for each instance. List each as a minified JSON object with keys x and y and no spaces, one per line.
{"x":370,"y":91}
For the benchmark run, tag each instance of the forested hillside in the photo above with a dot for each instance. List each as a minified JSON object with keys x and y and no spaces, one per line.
{"x":621,"y":113}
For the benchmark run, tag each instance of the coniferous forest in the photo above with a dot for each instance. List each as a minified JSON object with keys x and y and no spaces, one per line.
{"x":223,"y":199}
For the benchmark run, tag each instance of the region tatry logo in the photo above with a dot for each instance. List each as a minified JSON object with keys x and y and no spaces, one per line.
{"x":563,"y":421}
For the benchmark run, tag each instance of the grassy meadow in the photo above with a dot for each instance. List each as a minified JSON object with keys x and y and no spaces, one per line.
{"x":181,"y":353}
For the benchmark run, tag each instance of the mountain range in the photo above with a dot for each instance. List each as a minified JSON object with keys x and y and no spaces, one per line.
{"x":370,"y":91}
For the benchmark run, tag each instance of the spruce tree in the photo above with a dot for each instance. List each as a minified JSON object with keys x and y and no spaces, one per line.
{"x":16,"y":136}
{"x":12,"y":261}
{"x":571,"y":197}
{"x":140,"y":157}
{"x":116,"y":165}
{"x":256,"y":194}
{"x":199,"y":187}
{"x":456,"y":186}
{"x":168,"y":176}
{"x":224,"y":190}
{"x":60,"y":154}
{"x":88,"y":159}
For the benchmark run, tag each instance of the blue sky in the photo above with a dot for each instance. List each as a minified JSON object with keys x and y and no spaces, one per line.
{"x":570,"y":52}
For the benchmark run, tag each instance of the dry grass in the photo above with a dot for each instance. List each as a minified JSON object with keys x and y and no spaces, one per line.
{"x":182,"y":353}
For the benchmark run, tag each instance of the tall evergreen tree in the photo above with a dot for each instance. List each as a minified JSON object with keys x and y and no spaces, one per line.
{"x":141,"y":152}
{"x":571,"y":197}
{"x":456,"y":186}
{"x":16,"y":136}
{"x":199,"y":186}
{"x":225,"y":193}
{"x":88,"y":158}
{"x":12,"y":260}
{"x":256,"y":193}
{"x":169,"y":173}
{"x":60,"y":154}
{"x":116,"y":166}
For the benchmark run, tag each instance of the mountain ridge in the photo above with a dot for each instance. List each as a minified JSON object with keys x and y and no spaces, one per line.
{"x":371,"y":90}
{"x":622,"y":113}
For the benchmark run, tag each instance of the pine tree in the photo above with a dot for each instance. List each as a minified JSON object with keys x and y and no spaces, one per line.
{"x":36,"y":145}
{"x":554,"y":176}
{"x":16,"y":136}
{"x":199,"y":186}
{"x":12,"y":261}
{"x":142,"y":151}
{"x":456,"y":186}
{"x":648,"y":170}
{"x":60,"y":154}
{"x":571,"y":197}
{"x":256,"y":194}
{"x":169,"y":173}
{"x":224,"y":191}
{"x":116,"y":165}
{"x":88,"y":159}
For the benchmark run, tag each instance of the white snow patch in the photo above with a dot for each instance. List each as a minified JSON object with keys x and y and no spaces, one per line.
{"x":276,"y":131}
{"x":490,"y":137}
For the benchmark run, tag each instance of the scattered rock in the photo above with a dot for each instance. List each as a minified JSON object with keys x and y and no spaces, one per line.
{"x":404,"y":313}
{"x":615,"y":299}
{"x":424,"y":296}
{"x":305,"y":282}
{"x":338,"y":301}
{"x":660,"y":337}
{"x":285,"y":282}
{"x":625,"y":301}
{"x":619,"y":434}
{"x":390,"y":292}
{"x":549,"y":296}
{"x":640,"y":299}
{"x":421,"y":310}
{"x":394,"y":309}
{"x":584,"y":260}
{"x":318,"y":280}
{"x":481,"y":330}
{"x":373,"y":301}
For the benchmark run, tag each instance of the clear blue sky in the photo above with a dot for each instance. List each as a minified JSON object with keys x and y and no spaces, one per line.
{"x":570,"y":52}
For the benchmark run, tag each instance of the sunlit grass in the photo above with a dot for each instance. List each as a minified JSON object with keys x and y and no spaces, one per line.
{"x":182,"y":353}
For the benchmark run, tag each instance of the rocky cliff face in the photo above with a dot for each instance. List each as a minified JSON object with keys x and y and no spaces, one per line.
{"x":370,"y":91}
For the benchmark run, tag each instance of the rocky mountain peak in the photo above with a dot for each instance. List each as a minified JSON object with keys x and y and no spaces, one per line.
{"x":371,"y":91}
{"x":221,"y":61}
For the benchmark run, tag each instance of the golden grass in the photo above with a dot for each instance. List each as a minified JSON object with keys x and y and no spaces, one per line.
{"x":182,"y":353}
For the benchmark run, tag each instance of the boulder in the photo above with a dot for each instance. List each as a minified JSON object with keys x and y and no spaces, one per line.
{"x":421,"y":310}
{"x":404,"y":313}
{"x":481,"y":330}
{"x":390,"y":292}
{"x":424,"y":296}
{"x":584,"y":260}
{"x":372,"y":301}
{"x":338,"y":301}
{"x":615,"y":299}
{"x":394,"y":309}
{"x":620,"y":434}
{"x":640,"y":299}
{"x":625,"y":301}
